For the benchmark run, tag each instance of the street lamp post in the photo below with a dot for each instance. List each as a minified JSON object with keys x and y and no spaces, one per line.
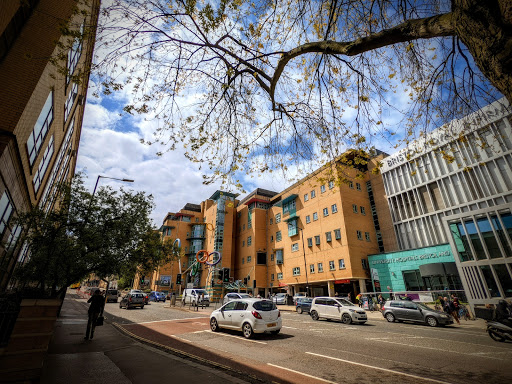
{"x":305,"y":265}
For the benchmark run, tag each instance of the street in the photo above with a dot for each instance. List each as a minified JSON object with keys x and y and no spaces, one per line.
{"x":329,"y":351}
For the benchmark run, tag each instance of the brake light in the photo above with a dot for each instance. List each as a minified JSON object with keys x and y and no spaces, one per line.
{"x":130,"y":298}
{"x":382,"y":308}
{"x":256,"y":315}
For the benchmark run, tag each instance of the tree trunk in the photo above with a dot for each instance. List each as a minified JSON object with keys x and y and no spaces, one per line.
{"x":485,"y":27}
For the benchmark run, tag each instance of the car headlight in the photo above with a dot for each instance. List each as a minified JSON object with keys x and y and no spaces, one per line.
{"x":352,"y":310}
{"x":444,"y":316}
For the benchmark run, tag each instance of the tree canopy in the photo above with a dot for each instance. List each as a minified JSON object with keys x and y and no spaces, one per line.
{"x":101,"y":234}
{"x":257,"y":86}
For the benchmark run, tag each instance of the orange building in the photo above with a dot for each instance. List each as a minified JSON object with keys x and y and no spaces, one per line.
{"x":314,"y":236}
{"x":44,"y":78}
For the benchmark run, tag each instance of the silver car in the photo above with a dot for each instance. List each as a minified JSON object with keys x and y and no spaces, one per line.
{"x":235,"y":296}
{"x":405,"y":310}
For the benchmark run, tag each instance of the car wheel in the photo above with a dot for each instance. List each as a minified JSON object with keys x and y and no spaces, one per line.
{"x":120,"y":306}
{"x":432,"y":321}
{"x":275,"y":332}
{"x":214,"y":326}
{"x":495,"y":336}
{"x":346,"y":319}
{"x":247,"y":329}
{"x":390,"y":317}
{"x":299,"y":310}
{"x":314,"y":315}
{"x":142,"y":307}
{"x":164,"y":300}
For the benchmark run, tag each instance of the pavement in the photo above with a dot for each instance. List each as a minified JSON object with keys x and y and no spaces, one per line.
{"x":133,"y":353}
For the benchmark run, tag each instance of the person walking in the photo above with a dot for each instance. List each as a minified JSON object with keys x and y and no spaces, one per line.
{"x":450,"y":309}
{"x":95,"y":310}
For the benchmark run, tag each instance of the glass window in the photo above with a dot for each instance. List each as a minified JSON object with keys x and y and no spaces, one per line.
{"x":295,"y":247}
{"x":326,"y":212}
{"x":475,"y":239}
{"x":328,"y":236}
{"x":73,"y":92}
{"x":43,"y":165}
{"x":243,"y":260}
{"x":310,"y":242}
{"x":359,"y":235}
{"x":334,"y":208}
{"x":413,"y":280}
{"x":308,"y":219}
{"x":317,"y":240}
{"x":504,"y":278}
{"x":74,"y":54}
{"x":313,"y":194}
{"x":271,"y":221}
{"x":271,"y":257}
{"x":41,"y":127}
{"x":331,"y":184}
{"x":320,"y":267}
{"x":362,"y":210}
{"x":311,"y":268}
{"x":489,"y":279}
{"x":490,"y":239}
{"x":271,"y":238}
{"x":364,"y":263}
{"x":502,"y":235}
{"x":278,"y":218}
{"x":272,"y":276}
{"x":367,"y":236}
{"x":249,"y":258}
{"x":243,"y":243}
{"x":296,"y":271}
{"x":354,"y":208}
{"x":6,"y":209}
{"x":351,"y":185}
{"x":306,"y":197}
{"x":279,"y":275}
{"x":337,"y":234}
{"x":461,"y":242}
{"x":278,"y":236}
{"x":279,"y":256}
{"x":249,"y":240}
{"x":315,"y":216}
{"x":358,"y":186}
{"x":331,"y":265}
{"x":293,"y":229}
{"x":341,"y":263}
{"x":322,"y":188}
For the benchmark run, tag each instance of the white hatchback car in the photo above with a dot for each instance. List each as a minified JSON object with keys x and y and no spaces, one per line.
{"x":337,"y":308}
{"x":249,"y":315}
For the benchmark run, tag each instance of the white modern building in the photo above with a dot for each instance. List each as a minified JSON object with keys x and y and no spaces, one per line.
{"x":454,"y":186}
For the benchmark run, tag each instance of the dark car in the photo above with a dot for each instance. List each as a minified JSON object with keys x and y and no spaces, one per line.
{"x":157,"y":296}
{"x":303,"y":304}
{"x":111,"y":295}
{"x":132,"y":300}
{"x":405,"y":310}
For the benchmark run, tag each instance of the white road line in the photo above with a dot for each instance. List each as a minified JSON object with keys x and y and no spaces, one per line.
{"x":303,"y":374}
{"x":290,"y":327}
{"x":379,"y":368}
{"x":200,"y":331}
{"x":161,"y":321}
{"x":238,"y":337}
{"x":435,"y":349}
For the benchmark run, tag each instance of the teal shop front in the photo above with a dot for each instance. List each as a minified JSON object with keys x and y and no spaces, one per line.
{"x":419,"y":269}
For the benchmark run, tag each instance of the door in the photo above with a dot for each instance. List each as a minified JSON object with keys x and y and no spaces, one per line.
{"x":225,"y":316}
{"x":332,"y":309}
{"x":239,"y":314}
{"x":398,"y":310}
{"x":412,"y":312}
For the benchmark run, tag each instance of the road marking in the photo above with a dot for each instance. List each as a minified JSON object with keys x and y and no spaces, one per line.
{"x":436,"y":349}
{"x":379,"y":368}
{"x":201,"y":331}
{"x":238,"y":337}
{"x":290,"y":327}
{"x":161,"y":321}
{"x":301,"y":373}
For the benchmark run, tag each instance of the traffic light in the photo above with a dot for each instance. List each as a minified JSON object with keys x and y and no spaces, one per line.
{"x":225,"y":278}
{"x":245,"y":280}
{"x":221,"y":274}
{"x":142,"y":280}
{"x":178,"y":279}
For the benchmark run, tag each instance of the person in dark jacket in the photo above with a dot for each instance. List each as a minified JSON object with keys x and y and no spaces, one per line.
{"x":95,"y":310}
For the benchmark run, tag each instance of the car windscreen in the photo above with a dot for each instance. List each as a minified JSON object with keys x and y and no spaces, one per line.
{"x":112,"y":291}
{"x":264,"y":305}
{"x":281,"y":295}
{"x":302,"y":301}
{"x":244,"y":295}
{"x":423,"y":306}
{"x":344,"y":302}
{"x":201,"y":292}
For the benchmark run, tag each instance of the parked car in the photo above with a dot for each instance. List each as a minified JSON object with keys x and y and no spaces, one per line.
{"x":249,"y":315}
{"x":303,"y":304}
{"x":279,"y":298}
{"x":405,"y":310}
{"x":235,"y":296}
{"x":195,"y":296}
{"x":112,"y":295}
{"x":297,"y":296}
{"x":132,"y":300}
{"x":337,"y":308}
{"x":157,"y":296}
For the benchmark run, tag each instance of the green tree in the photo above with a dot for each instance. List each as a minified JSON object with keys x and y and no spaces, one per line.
{"x":257,"y":85}
{"x":103,"y":234}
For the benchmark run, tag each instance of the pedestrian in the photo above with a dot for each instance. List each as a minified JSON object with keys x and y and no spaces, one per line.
{"x":359,"y":301}
{"x":450,"y":309}
{"x":380,"y":300}
{"x":95,"y":310}
{"x":455,"y":301}
{"x":349,"y":297}
{"x":269,"y":296}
